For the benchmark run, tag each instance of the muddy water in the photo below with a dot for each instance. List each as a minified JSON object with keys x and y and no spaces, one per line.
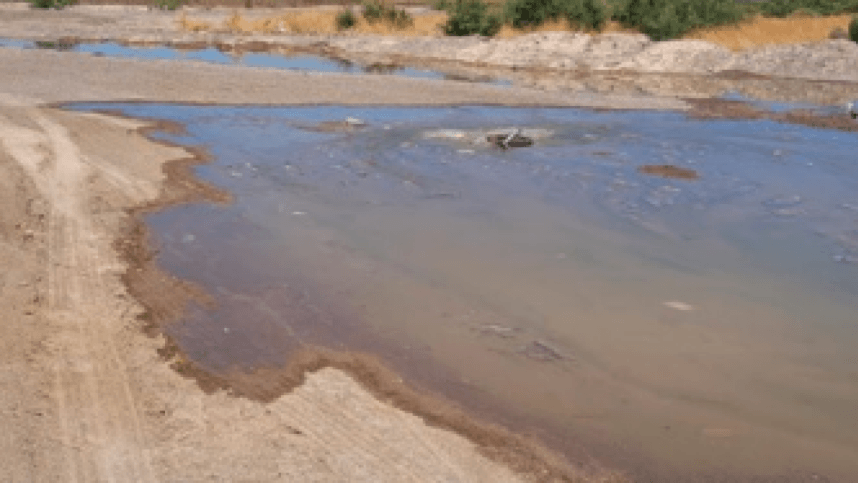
{"x":684,"y":329}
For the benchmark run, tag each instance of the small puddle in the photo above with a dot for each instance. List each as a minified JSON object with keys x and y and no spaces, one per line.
{"x":297,"y":62}
{"x":680,"y":329}
{"x":784,"y":107}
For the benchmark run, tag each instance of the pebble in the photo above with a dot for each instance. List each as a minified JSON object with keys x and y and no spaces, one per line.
{"x":676,"y":305}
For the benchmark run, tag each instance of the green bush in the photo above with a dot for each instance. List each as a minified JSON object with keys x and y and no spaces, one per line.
{"x":668,"y":19}
{"x":853,"y":29}
{"x":579,"y":13}
{"x":168,"y":4}
{"x":346,"y":19}
{"x":57,"y":4}
{"x":442,"y":5}
{"x":469,"y":17}
{"x":526,"y":13}
{"x":785,"y":8}
{"x":375,"y":11}
{"x":591,"y":14}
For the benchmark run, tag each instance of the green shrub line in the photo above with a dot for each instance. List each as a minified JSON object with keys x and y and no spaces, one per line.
{"x":470,"y":17}
{"x":785,"y":8}
{"x":168,"y":4}
{"x":658,"y":19}
{"x":853,"y":29}
{"x":669,"y":19}
{"x":55,"y":4}
{"x":590,"y":14}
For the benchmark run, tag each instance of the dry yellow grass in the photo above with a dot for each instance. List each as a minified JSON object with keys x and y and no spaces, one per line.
{"x":750,"y":33}
{"x":193,"y":25}
{"x":766,"y":31}
{"x":317,"y":22}
{"x":324,"y":22}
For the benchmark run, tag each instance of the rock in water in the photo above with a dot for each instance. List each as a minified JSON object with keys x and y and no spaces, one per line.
{"x":513,"y":140}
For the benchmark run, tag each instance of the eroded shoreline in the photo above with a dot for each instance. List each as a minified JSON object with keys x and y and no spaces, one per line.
{"x":164,"y":299}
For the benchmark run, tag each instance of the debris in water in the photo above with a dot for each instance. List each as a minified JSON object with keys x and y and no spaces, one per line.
{"x":675,"y":305}
{"x":499,"y":330}
{"x":511,"y":140}
{"x":845,"y":259}
{"x":668,"y":171}
{"x":541,"y":350}
{"x":349,"y":124}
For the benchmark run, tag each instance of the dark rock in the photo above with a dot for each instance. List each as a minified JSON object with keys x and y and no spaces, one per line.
{"x":512,"y":140}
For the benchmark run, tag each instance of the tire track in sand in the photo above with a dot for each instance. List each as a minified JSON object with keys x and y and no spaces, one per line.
{"x":99,"y":419}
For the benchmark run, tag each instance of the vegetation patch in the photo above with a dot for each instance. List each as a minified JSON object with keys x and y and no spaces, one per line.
{"x":853,"y":29}
{"x":469,"y":17}
{"x":735,"y":26}
{"x":669,"y":19}
{"x":785,"y":8}
{"x":376,"y":11}
{"x":346,"y":19}
{"x":55,"y":4}
{"x":168,"y":4}
{"x":588,"y":14}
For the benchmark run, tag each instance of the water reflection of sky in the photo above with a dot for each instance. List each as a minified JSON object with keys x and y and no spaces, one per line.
{"x":756,"y":173}
{"x":304,"y":63}
{"x":559,"y":267}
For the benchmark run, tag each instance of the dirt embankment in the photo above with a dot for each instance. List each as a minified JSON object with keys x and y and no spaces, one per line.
{"x":607,"y":64}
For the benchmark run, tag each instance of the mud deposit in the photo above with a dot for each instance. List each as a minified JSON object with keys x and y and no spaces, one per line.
{"x":683,"y":331}
{"x":668,"y":171}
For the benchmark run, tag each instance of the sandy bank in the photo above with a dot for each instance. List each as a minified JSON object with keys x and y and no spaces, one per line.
{"x":581,"y":65}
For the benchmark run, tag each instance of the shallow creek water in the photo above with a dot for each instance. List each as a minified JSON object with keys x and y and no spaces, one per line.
{"x":294,"y":62}
{"x":684,"y":330}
